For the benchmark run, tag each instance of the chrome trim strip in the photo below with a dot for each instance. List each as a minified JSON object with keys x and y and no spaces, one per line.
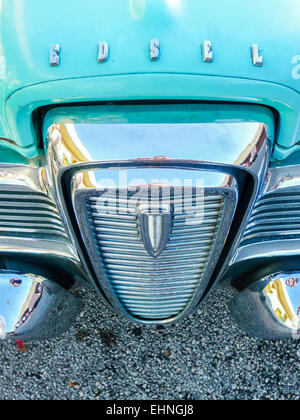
{"x":277,"y":248}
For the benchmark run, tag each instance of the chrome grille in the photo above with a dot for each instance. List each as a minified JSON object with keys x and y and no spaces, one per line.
{"x":276,"y":215}
{"x":154,"y":288}
{"x":29,"y":213}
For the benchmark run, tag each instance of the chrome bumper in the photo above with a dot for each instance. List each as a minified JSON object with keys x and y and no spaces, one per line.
{"x":269,"y":308}
{"x":32,"y":307}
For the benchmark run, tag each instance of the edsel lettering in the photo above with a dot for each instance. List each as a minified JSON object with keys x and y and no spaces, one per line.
{"x":154,"y":50}
{"x":207,"y":53}
{"x":102,"y":52}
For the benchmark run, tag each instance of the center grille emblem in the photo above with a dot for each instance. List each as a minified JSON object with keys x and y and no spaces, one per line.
{"x":155,"y":224}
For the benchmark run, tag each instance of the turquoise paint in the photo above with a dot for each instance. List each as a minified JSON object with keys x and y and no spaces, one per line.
{"x":151,"y":86}
{"x":287,"y":160}
{"x":10,"y":154}
{"x":28,"y":27}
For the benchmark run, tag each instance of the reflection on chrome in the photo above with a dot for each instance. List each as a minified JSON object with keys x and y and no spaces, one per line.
{"x":151,"y":131}
{"x":23,"y":293}
{"x":32,"y":306}
{"x":155,"y":225}
{"x":282,"y":177}
{"x":270,"y":307}
{"x":282,"y":295}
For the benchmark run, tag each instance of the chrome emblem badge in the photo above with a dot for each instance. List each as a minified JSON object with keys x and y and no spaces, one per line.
{"x":154,"y":224}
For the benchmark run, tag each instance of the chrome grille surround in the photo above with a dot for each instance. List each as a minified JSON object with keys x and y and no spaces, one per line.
{"x":183,"y":247}
{"x":154,"y":288}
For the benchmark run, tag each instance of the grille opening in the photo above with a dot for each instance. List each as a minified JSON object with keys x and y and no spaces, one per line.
{"x":154,"y":288}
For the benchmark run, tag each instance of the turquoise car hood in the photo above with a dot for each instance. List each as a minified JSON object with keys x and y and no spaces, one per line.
{"x":29,"y":27}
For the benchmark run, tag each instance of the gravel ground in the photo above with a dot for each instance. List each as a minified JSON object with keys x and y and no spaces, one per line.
{"x":203,"y":357}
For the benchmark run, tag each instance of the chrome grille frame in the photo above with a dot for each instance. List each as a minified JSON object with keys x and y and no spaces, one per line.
{"x":245,"y":186}
{"x":144,"y":285}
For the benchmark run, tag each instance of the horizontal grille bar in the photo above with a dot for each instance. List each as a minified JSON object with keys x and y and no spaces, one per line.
{"x":276,"y":215}
{"x":29,"y":213}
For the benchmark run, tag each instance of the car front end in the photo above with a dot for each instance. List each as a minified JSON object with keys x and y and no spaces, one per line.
{"x":148,"y":151}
